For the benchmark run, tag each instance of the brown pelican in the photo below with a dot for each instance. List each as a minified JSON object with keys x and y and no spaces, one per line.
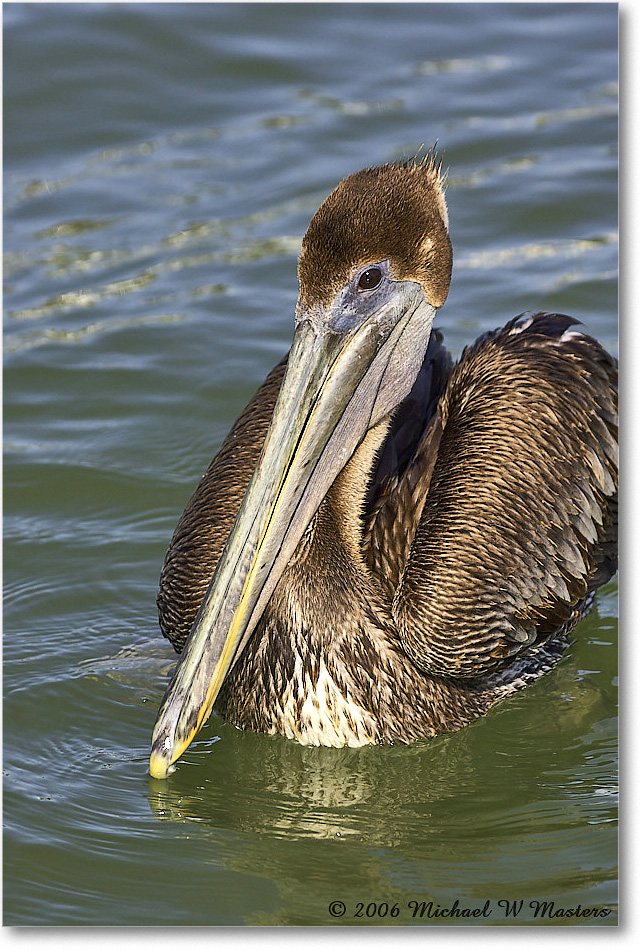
{"x":386,"y":545}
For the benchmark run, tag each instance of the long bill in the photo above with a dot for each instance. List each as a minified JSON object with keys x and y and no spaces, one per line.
{"x":337,"y":386}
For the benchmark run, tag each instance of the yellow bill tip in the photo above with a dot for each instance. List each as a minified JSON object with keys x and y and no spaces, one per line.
{"x":159,"y":766}
{"x":165,"y":753}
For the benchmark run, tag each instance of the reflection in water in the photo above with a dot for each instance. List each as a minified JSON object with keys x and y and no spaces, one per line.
{"x":406,"y":795}
{"x":497,"y":810}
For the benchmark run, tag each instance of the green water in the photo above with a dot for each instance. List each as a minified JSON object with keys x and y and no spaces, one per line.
{"x":161,"y":164}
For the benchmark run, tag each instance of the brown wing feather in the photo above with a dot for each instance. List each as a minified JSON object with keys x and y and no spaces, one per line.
{"x":205,"y":524}
{"x":520,"y":522}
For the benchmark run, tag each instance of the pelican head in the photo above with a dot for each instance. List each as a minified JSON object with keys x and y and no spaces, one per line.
{"x":375,"y":265}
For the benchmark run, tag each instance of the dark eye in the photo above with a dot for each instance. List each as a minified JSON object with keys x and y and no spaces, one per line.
{"x":370,"y":279}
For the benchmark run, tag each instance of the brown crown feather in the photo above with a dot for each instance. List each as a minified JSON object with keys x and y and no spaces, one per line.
{"x":394,"y":212}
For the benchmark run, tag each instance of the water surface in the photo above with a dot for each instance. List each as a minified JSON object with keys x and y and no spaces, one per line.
{"x":162,"y":162}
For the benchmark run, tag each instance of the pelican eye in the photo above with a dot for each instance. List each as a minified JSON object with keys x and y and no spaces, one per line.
{"x":370,"y":279}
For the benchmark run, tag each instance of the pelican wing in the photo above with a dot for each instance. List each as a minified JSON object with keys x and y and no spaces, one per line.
{"x":519,"y":523}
